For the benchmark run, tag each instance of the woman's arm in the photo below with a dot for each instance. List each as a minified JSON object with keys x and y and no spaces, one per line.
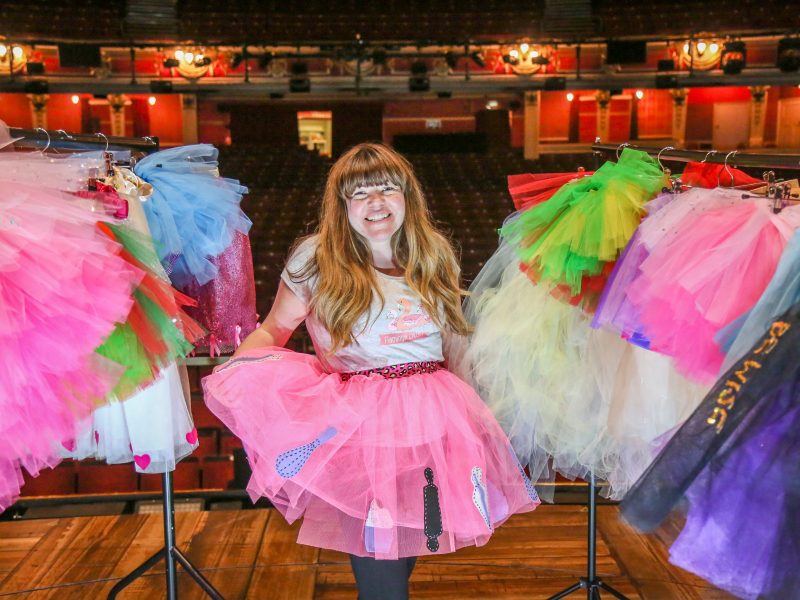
{"x":286,"y":314}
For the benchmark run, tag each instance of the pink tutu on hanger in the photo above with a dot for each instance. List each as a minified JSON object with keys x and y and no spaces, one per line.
{"x":63,"y":286}
{"x":706,"y":273}
{"x":385,"y":465}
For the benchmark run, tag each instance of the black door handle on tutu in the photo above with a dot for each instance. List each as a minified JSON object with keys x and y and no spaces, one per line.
{"x":432,"y":511}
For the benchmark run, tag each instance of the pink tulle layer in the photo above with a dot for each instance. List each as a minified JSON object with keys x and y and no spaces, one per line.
{"x":62,"y":288}
{"x":711,"y":270}
{"x":376,"y":467}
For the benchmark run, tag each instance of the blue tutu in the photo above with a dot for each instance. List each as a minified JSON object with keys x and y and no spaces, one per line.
{"x":782,"y":293}
{"x":193,"y":213}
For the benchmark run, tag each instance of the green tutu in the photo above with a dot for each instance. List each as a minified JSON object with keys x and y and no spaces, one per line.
{"x":587,"y":222}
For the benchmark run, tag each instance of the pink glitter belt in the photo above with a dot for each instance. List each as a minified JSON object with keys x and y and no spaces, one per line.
{"x":404,"y":370}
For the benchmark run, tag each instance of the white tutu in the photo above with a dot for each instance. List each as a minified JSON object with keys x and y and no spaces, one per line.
{"x":153,"y":428}
{"x":581,"y":397}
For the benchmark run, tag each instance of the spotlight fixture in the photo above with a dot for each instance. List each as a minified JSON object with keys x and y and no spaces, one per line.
{"x":160,"y":86}
{"x":75,"y":99}
{"x":788,"y":54}
{"x":570,"y":96}
{"x":700,"y":55}
{"x":35,"y":68}
{"x":151,"y":100}
{"x":419,"y":81}
{"x":639,"y":94}
{"x":478,"y":58}
{"x":264,"y":60}
{"x":299,"y":81}
{"x":379,"y":56}
{"x":666,"y":64}
{"x":526,"y":59}
{"x":37,"y":86}
{"x":734,"y":57}
{"x":555,"y":83}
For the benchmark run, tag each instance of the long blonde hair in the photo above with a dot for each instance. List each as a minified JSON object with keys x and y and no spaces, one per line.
{"x":346,"y":280}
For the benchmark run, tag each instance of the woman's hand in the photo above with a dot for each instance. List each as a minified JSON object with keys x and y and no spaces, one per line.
{"x":286,"y":314}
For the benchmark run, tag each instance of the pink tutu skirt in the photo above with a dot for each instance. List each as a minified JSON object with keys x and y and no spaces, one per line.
{"x":381,"y":465}
{"x":711,"y":271}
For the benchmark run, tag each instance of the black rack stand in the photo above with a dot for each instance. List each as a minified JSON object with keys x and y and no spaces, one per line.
{"x":170,"y":553}
{"x":591,"y":583}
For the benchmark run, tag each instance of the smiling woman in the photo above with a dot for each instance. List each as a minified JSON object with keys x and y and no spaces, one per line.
{"x":384,"y":453}
{"x":377,"y":212}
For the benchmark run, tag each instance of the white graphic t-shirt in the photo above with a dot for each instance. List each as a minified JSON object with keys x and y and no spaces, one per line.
{"x":400,"y":331}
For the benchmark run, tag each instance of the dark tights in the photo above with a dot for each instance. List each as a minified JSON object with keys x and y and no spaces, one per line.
{"x":382,"y":579}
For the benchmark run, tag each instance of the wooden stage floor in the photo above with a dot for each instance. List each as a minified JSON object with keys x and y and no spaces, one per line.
{"x":252,"y":554}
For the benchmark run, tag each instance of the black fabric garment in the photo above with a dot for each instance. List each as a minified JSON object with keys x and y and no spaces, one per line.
{"x":382,"y":579}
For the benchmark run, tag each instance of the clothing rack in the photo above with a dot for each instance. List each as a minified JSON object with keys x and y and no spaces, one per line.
{"x":591,"y":583}
{"x":733,"y":158}
{"x":45,"y":139}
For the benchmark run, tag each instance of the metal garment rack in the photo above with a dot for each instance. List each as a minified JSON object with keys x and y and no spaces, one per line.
{"x":591,"y":583}
{"x":734,"y":158}
{"x":46,"y":139}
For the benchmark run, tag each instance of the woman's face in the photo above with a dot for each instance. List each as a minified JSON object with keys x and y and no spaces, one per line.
{"x":376,"y":212}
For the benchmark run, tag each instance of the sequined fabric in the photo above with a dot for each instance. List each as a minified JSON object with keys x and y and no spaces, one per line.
{"x":227,"y":304}
{"x":404,"y":370}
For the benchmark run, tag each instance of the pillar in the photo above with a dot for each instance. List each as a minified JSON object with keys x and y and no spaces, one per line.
{"x":758,"y":111}
{"x":116,"y":105}
{"x":189,"y":108}
{"x":603,"y":98}
{"x":679,"y":97}
{"x":38,"y":104}
{"x":531,"y":116}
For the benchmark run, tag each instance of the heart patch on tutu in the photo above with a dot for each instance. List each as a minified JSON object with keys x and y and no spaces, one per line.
{"x":191,"y":437}
{"x":142,"y":460}
{"x":69,"y":445}
{"x":96,"y":437}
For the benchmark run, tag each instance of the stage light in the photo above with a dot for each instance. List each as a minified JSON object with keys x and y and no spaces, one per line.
{"x":524,"y":48}
{"x":299,"y":81}
{"x":151,"y":100}
{"x":379,"y":57}
{"x":788,"y":54}
{"x":570,"y":96}
{"x":264,"y":60}
{"x":478,"y":58}
{"x":17,"y":51}
{"x":701,"y":47}
{"x":3,"y":50}
{"x":639,"y":94}
{"x":734,"y":57}
{"x":75,"y":99}
{"x":161,"y":86}
{"x":419,"y":82}
{"x":178,"y":54}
